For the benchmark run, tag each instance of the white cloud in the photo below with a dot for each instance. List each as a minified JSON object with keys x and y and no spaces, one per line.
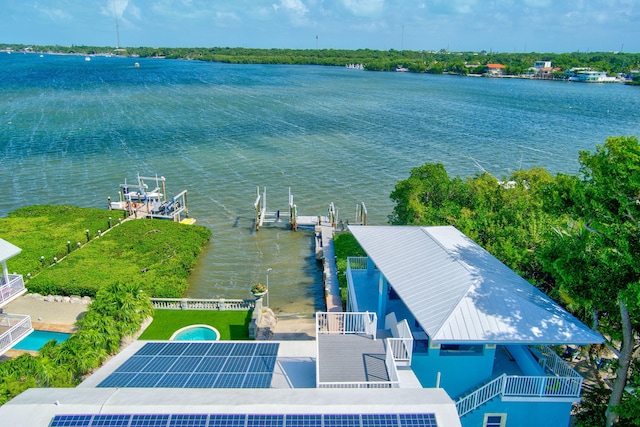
{"x":296,"y":9}
{"x":364,"y":8}
{"x":53,"y":13}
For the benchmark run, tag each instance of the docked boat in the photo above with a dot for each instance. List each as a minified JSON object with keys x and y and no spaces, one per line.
{"x":141,"y":202}
{"x":592,"y":76}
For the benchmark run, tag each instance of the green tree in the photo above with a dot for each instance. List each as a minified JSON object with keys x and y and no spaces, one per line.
{"x":594,"y":258}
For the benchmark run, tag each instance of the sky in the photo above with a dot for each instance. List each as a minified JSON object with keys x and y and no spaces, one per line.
{"x":454,"y":25}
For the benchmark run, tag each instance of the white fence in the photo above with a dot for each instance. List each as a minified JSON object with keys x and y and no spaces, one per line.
{"x":564,"y":383}
{"x":402,"y":343}
{"x":16,"y":327}
{"x":14,"y":287}
{"x":203,"y":304}
{"x":346,"y":323}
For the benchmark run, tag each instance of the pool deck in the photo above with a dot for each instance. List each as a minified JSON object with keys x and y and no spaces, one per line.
{"x":56,"y":316}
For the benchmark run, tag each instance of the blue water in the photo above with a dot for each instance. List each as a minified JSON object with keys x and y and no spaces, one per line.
{"x":71,"y":131}
{"x":36,"y":339}
{"x":197,"y":333}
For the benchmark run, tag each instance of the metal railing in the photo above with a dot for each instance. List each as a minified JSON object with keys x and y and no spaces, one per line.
{"x":480,"y":396}
{"x":346,"y":323}
{"x":18,"y":326}
{"x":564,"y":383}
{"x":549,"y":360}
{"x":402,"y":342}
{"x":220,"y":304}
{"x":357,"y":263}
{"x":13,"y":287}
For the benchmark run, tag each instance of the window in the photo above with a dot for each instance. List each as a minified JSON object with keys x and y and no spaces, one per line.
{"x":495,"y":420}
{"x":461,"y":349}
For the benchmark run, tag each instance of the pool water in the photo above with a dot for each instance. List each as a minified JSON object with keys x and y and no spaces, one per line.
{"x":196,"y":333}
{"x":36,"y":339}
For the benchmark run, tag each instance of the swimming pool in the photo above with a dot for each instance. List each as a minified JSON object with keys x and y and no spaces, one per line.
{"x":196,"y":333}
{"x":36,"y":339}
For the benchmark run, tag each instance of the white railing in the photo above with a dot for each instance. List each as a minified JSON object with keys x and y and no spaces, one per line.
{"x":480,"y":396}
{"x":346,"y":323}
{"x":18,"y":326}
{"x":352,"y":300}
{"x":203,"y":304}
{"x":548,"y":359}
{"x":357,"y":263}
{"x":392,"y":371}
{"x":521,"y":386}
{"x":542,"y":386}
{"x":14,"y":287}
{"x":402,"y":342}
{"x":393,"y":382}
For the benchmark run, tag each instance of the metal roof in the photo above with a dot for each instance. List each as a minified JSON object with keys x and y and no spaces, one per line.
{"x":7,"y":250}
{"x":458,"y":292}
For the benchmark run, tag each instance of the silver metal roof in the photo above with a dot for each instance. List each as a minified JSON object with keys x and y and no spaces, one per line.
{"x":7,"y":250}
{"x":458,"y":292}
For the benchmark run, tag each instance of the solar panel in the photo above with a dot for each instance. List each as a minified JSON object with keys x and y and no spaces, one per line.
{"x":212,"y":364}
{"x":229,"y":381}
{"x":379,"y":420}
{"x":134,"y":364}
{"x":257,"y":381}
{"x":303,"y":420}
{"x":188,"y":420}
{"x":201,"y":381}
{"x":144,"y":380}
{"x":117,"y":379}
{"x":197,"y":349}
{"x":117,"y":420}
{"x":422,"y":420}
{"x":223,"y":420}
{"x":174,"y":349}
{"x":236,"y":364}
{"x":159,"y":364}
{"x":71,"y":421}
{"x":150,"y":420}
{"x":265,"y":420}
{"x":151,"y":348}
{"x":186,"y":364}
{"x":243,"y":349}
{"x":179,"y":364}
{"x":173,"y":380}
{"x":245,"y":420}
{"x":342,"y":420}
{"x":262,"y":364}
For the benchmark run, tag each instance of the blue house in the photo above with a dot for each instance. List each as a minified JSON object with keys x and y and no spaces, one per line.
{"x":474,"y":327}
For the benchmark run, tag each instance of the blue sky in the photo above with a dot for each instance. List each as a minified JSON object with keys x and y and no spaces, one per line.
{"x":456,"y":25}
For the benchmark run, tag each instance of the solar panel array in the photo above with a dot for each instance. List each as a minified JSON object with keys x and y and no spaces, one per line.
{"x":245,"y":420}
{"x":197,"y":365}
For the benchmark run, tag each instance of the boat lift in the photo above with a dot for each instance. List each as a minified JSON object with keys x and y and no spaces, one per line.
{"x":138,"y":201}
{"x":263,"y":216}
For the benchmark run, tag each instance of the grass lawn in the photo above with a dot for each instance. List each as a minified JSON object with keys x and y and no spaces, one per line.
{"x":232,"y":325}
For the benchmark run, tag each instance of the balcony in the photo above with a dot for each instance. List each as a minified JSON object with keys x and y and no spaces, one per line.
{"x":561,"y":382}
{"x":13,"y":328}
{"x":350,"y":355}
{"x":11,"y":289}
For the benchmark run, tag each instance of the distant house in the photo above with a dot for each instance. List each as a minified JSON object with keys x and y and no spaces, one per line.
{"x":494,"y":70}
{"x":538,"y":65}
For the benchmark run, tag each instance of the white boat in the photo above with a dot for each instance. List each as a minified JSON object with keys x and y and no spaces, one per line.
{"x":592,"y":76}
{"x":87,"y":58}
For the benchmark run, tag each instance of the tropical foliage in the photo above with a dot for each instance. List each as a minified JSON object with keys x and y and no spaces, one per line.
{"x":576,"y":237}
{"x":117,"y":311}
{"x":153,"y":255}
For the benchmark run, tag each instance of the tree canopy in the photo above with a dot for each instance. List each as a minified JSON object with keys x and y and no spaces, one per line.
{"x":577,"y":237}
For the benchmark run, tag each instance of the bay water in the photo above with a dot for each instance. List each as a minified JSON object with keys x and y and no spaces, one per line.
{"x":72,"y":130}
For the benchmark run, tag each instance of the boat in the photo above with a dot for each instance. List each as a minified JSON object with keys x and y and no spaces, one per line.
{"x":591,"y":76}
{"x":402,"y":69}
{"x":87,"y":58}
{"x":140,"y":202}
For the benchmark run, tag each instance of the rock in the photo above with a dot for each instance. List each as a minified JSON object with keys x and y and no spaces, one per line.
{"x":266,"y":325}
{"x":49,"y":298}
{"x":65,"y":299}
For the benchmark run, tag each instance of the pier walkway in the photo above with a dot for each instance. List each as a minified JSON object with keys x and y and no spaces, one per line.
{"x":325,"y":253}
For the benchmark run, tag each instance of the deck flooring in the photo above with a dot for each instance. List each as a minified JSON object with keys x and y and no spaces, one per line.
{"x":351,"y":358}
